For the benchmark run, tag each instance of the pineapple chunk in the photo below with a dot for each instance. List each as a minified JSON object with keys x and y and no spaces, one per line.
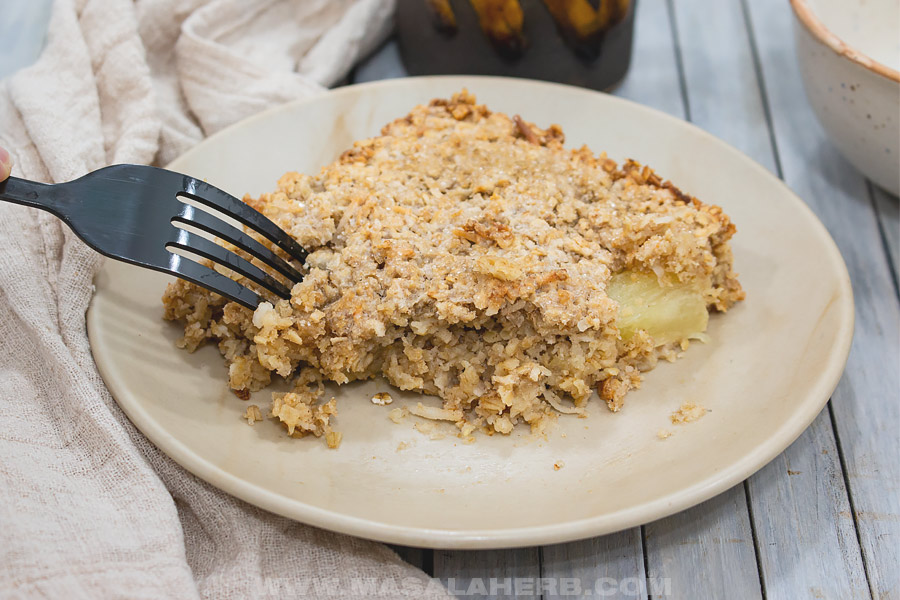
{"x":668,"y":313}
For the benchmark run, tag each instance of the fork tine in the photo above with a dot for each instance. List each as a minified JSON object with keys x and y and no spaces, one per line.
{"x":214,"y":197}
{"x":215,"y":226}
{"x":207,"y":249}
{"x":187,"y":269}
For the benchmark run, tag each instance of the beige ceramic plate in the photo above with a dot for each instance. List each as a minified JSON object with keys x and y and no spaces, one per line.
{"x":771,"y":365}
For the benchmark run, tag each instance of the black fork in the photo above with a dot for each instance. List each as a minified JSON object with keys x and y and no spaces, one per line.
{"x":137,"y":214}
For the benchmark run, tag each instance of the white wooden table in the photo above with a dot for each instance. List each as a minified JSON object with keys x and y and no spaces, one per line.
{"x":823,"y":519}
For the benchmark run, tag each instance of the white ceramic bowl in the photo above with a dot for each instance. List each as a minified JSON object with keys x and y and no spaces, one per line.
{"x":849,"y":52}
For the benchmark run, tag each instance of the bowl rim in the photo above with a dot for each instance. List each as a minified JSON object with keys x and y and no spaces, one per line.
{"x":812,"y":23}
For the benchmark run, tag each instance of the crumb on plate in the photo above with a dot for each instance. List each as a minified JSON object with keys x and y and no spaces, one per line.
{"x":382,"y":399}
{"x":252,"y":414}
{"x":689,"y":412}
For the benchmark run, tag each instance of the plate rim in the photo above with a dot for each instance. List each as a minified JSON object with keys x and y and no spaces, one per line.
{"x":789,"y":430}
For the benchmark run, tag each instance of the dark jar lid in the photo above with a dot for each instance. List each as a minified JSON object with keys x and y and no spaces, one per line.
{"x":535,"y":39}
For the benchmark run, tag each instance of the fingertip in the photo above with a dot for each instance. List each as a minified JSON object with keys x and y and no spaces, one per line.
{"x":5,"y":164}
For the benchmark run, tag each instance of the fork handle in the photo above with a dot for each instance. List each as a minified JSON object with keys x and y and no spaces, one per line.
{"x":34,"y":194}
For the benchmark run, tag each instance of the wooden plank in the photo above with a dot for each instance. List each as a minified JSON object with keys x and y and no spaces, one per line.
{"x":652,"y":77}
{"x":864,"y":409}
{"x":490,"y":574}
{"x":417,"y":557}
{"x":888,"y":212}
{"x":713,"y":539}
{"x":720,"y":85}
{"x":384,"y":63}
{"x":806,"y":549}
{"x":610,"y":566}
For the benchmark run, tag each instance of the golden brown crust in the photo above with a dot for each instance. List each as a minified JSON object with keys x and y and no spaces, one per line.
{"x":465,"y":254}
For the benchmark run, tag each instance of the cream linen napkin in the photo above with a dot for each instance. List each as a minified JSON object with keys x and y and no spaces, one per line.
{"x":88,"y":507}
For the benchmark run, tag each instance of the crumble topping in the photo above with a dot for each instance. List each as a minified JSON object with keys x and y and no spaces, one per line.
{"x":465,"y":254}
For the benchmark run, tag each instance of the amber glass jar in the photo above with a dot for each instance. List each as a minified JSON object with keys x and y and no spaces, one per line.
{"x":580,"y":42}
